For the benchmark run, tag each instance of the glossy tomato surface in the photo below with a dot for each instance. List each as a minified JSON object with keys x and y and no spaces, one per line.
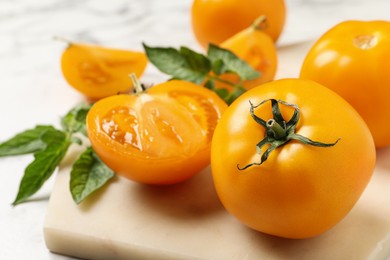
{"x":214,"y":21}
{"x":353,"y":59}
{"x":301,"y":190}
{"x":161,"y":136}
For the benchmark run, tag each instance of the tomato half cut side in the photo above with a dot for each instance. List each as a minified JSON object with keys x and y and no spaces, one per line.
{"x":162,"y":136}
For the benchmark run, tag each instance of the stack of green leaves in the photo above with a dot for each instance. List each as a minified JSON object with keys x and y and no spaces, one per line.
{"x":49,"y":146}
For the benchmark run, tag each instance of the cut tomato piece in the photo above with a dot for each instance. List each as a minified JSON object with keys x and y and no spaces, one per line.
{"x":160,"y":136}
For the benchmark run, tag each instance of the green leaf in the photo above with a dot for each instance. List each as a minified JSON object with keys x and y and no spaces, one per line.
{"x":222,"y":93}
{"x":25,"y":142}
{"x":88,"y":174}
{"x":44,"y":164}
{"x":74,"y":120}
{"x":238,"y":91}
{"x":210,"y":84}
{"x":184,"y":64}
{"x":219,"y":67}
{"x":196,"y":61}
{"x":224,"y":61}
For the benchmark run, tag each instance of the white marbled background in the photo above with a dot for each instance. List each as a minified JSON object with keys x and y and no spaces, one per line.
{"x":34,"y":92}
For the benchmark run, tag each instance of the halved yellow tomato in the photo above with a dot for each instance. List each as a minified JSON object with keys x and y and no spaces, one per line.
{"x":160,"y":136}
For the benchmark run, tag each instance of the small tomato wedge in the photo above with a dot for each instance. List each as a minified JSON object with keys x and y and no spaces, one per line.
{"x":353,"y":59}
{"x":258,"y":49}
{"x":160,"y":136}
{"x":99,"y":72}
{"x":291,"y":158}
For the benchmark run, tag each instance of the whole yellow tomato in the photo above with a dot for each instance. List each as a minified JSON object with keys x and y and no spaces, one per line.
{"x":353,"y":59}
{"x":160,"y":136}
{"x":215,"y":21}
{"x":269,"y":168}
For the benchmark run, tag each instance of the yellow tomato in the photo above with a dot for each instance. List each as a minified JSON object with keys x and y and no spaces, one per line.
{"x":300,"y":190}
{"x":353,"y":59}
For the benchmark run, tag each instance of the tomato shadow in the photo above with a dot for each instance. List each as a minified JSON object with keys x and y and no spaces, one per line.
{"x":383,"y":158}
{"x":358,"y":236}
{"x":193,"y":199}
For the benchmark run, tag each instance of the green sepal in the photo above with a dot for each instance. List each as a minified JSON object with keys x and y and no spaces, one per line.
{"x":278,"y":132}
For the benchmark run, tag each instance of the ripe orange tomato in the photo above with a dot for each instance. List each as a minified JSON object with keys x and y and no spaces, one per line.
{"x":215,"y":21}
{"x":99,"y":72}
{"x":301,"y":190}
{"x":257,"y":49}
{"x":160,"y":136}
{"x":353,"y":59}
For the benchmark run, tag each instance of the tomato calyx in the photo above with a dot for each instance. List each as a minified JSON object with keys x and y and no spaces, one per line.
{"x":278,"y":131}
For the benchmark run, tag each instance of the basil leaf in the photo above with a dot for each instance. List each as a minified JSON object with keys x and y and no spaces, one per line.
{"x":196,"y":61}
{"x":25,"y":142}
{"x":74,"y":120}
{"x":219,"y":67}
{"x":224,"y":61}
{"x":223,"y":94}
{"x":88,"y":174}
{"x":210,"y":84}
{"x":184,"y":64}
{"x":234,"y":95}
{"x":44,"y":164}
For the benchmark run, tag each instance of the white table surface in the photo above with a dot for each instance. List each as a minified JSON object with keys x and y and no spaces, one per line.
{"x":33,"y":90}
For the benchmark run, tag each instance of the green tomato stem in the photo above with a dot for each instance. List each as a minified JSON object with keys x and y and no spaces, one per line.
{"x":136,"y":83}
{"x":221,"y":80}
{"x":278,"y":132}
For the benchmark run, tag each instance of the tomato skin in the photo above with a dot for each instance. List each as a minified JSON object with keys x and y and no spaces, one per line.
{"x":301,"y":190}
{"x":352,"y":59}
{"x":152,"y":152}
{"x":215,"y":21}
